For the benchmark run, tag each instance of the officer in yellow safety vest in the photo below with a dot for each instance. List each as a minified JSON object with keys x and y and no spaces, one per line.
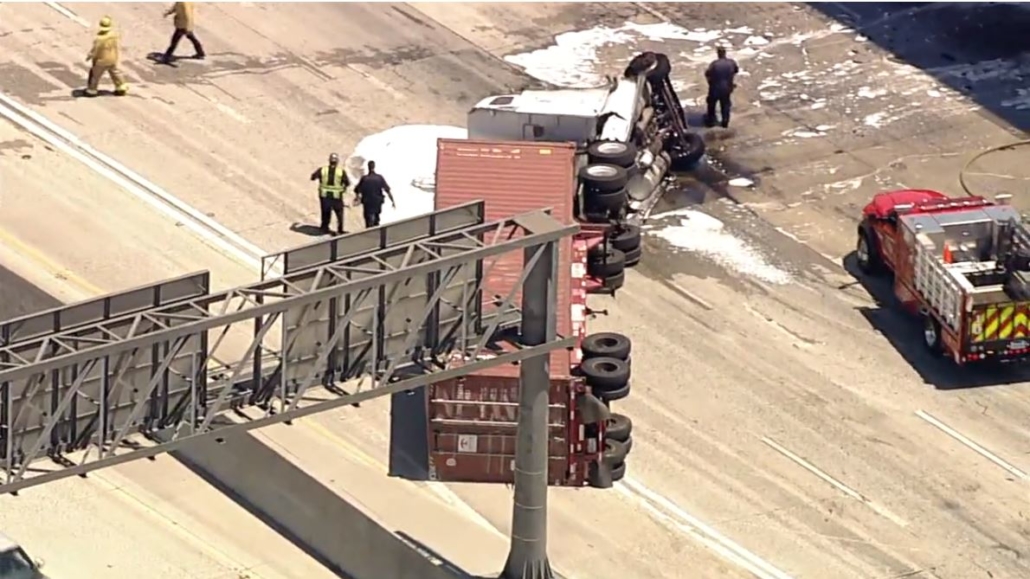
{"x":105,"y":58}
{"x":332,"y":182}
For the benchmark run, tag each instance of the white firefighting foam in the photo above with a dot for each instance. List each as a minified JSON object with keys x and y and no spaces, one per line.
{"x":405,"y":156}
{"x":700,"y":233}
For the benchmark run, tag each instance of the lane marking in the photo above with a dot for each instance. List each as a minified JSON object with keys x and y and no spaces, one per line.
{"x":878,"y":509}
{"x":60,"y":273}
{"x":218,"y":236}
{"x":667,"y":511}
{"x":68,"y":13}
{"x":974,"y":446}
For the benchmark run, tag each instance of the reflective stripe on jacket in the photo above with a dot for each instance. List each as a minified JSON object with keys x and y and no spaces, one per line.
{"x":332,"y":183}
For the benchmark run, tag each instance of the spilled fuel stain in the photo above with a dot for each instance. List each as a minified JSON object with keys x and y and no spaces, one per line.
{"x":708,"y":181}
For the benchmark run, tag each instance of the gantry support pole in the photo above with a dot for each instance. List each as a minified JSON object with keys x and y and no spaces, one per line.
{"x":528,"y":556}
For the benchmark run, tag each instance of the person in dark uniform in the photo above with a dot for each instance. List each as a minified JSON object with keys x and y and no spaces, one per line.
{"x":332,"y":182}
{"x":720,"y":75}
{"x":184,"y":21}
{"x":369,"y":191}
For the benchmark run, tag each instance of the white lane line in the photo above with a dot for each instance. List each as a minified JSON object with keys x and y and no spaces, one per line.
{"x":877,"y":508}
{"x":669,"y":512}
{"x":974,"y":446}
{"x":219,"y":236}
{"x":68,"y":14}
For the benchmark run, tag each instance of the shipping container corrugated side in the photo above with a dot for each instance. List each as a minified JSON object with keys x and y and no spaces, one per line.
{"x":514,"y":178}
{"x":473,"y":421}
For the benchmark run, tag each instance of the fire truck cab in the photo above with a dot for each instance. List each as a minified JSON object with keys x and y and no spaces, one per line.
{"x":963,"y":264}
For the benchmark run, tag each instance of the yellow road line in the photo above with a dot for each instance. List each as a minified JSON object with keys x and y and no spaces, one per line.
{"x":48,"y":265}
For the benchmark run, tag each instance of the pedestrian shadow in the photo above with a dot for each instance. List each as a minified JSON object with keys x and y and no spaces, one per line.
{"x":80,"y":93}
{"x":159,"y":58}
{"x":307,"y":229}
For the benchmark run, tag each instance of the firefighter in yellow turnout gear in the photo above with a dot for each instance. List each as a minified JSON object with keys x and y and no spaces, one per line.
{"x":105,"y":58}
{"x":332,"y":182}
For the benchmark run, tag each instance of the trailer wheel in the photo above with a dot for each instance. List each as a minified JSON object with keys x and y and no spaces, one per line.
{"x":604,"y":178}
{"x":616,"y":281}
{"x":685,"y":155}
{"x":605,"y":265}
{"x":614,"y":452}
{"x":867,"y":252}
{"x":606,"y":345}
{"x":605,"y":373}
{"x":618,"y":427}
{"x":607,"y":202}
{"x":633,"y":256}
{"x":628,"y":238}
{"x":608,"y":396}
{"x":612,"y":153}
{"x":618,"y":472}
{"x":932,"y":334}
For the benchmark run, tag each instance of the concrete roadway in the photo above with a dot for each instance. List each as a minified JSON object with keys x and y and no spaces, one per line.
{"x":809,"y":431}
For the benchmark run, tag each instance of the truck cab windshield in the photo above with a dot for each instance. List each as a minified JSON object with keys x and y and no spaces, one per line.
{"x":15,"y":564}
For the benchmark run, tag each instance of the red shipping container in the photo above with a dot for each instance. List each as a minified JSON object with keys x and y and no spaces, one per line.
{"x":472,"y":420}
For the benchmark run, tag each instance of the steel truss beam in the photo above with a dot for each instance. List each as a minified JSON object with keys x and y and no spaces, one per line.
{"x":396,"y":315}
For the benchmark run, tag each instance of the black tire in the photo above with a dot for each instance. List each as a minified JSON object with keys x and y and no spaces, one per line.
{"x":633,"y":256}
{"x":618,"y":472}
{"x":607,"y":265}
{"x":618,"y":427}
{"x":612,"y":153}
{"x":686,"y":156}
{"x":604,"y":178}
{"x":608,"y":396}
{"x":616,"y":281}
{"x":867,"y":252}
{"x":932,"y":334}
{"x":605,"y":373}
{"x":628,"y":444}
{"x":661,"y":69}
{"x":627,"y":238}
{"x":614,"y":452}
{"x":606,"y":345}
{"x":599,"y":202}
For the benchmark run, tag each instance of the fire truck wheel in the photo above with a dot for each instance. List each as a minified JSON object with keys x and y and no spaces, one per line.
{"x":603,"y":374}
{"x":867,"y":253}
{"x":633,"y":256}
{"x":612,"y":153}
{"x":600,"y":202}
{"x":685,"y":156}
{"x":614,"y":282}
{"x":608,"y":264}
{"x":618,"y":427}
{"x":626,"y":238}
{"x":614,"y":452}
{"x":606,"y":345}
{"x":618,"y":472}
{"x":604,"y":178}
{"x":932,"y":334}
{"x":608,"y":396}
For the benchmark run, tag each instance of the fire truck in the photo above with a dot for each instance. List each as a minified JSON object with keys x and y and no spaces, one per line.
{"x":962,"y":264}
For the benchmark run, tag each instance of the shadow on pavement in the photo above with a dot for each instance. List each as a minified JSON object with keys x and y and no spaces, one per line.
{"x":905,"y":333}
{"x":975,"y":49}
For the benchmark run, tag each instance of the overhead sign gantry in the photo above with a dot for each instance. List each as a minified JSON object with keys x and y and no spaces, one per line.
{"x":356,"y":317}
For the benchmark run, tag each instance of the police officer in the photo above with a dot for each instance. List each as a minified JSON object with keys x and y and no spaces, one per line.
{"x":369,"y":192}
{"x":720,"y":75}
{"x":104,"y":56}
{"x":183,"y":27}
{"x":332,"y":182}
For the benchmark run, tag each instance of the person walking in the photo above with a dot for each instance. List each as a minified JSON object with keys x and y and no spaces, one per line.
{"x":332,"y":182}
{"x":104,"y":57}
{"x":369,"y":192}
{"x":720,"y":76}
{"x":184,"y":20}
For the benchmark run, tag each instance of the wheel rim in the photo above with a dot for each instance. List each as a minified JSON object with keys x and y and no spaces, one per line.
{"x":607,"y":367}
{"x":611,"y":148}
{"x":930,"y":333}
{"x":607,"y":342}
{"x":862,"y":251}
{"x":601,"y":171}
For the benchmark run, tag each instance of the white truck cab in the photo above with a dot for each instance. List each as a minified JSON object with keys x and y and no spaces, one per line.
{"x":15,"y":562}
